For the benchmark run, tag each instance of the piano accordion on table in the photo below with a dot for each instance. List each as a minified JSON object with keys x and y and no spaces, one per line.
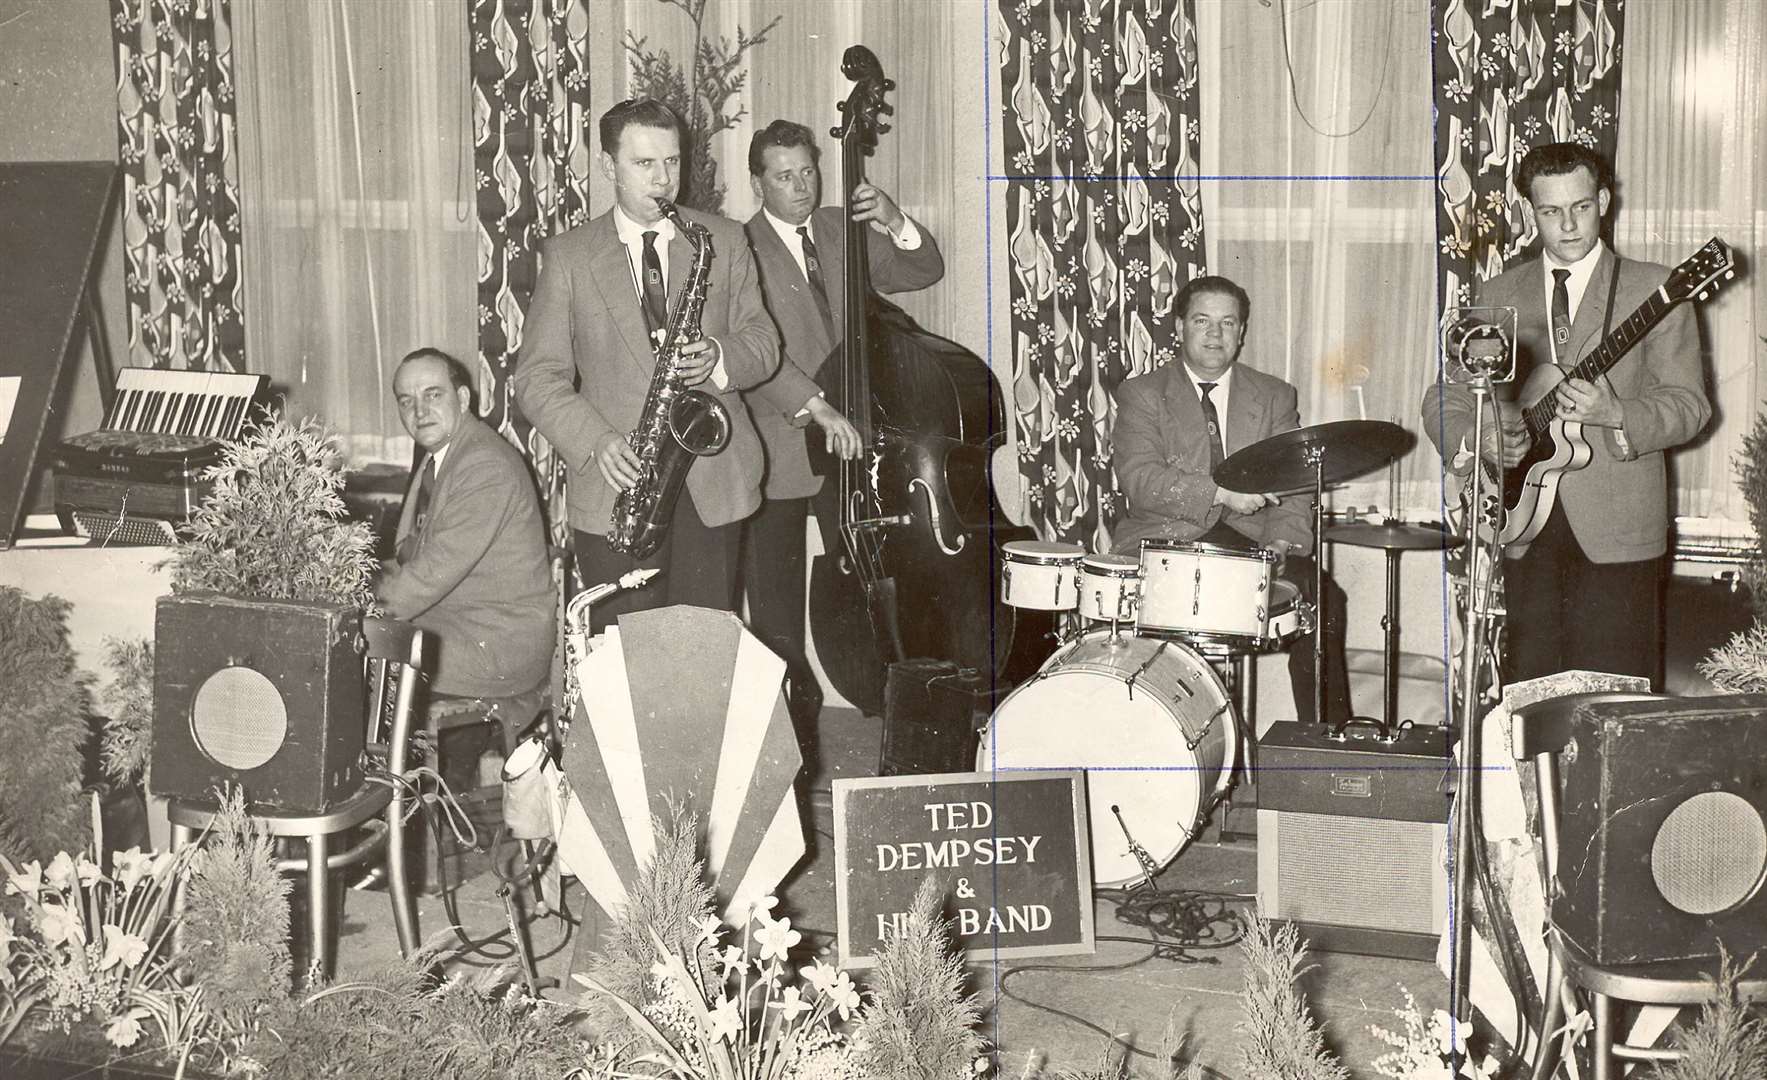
{"x":136,"y":478}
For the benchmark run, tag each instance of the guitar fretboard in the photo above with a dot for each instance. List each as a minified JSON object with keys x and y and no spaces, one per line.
{"x":1602,"y":357}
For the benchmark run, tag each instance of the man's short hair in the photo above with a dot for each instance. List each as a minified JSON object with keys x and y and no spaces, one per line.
{"x":1561,"y":159}
{"x":457,"y":373}
{"x":1213,"y":283}
{"x":641,"y":112}
{"x":784,"y":134}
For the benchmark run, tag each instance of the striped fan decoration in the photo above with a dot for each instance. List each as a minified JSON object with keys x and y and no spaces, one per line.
{"x":681,"y":703}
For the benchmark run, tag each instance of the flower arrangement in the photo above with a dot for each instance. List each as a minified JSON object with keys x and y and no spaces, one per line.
{"x":96,"y":946}
{"x":754,"y":1023}
{"x":127,"y":703}
{"x":1428,"y":1048}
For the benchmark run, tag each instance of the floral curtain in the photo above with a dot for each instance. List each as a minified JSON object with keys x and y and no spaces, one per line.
{"x":532,"y":152}
{"x":175,"y":131}
{"x":1104,"y":223}
{"x":1510,"y":77}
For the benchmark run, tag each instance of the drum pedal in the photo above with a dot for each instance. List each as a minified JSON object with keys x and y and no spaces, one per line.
{"x":1148,"y":866}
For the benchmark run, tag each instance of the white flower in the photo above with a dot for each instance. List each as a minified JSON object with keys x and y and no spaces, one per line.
{"x":726,"y":1021}
{"x":27,"y":882}
{"x":58,"y":923}
{"x":791,"y":1004}
{"x":820,"y":976}
{"x":88,"y":872}
{"x":776,"y":939}
{"x":731,"y":960}
{"x":61,"y":873}
{"x":710,"y":927}
{"x":126,"y":1029}
{"x":845,"y":994}
{"x":130,"y":867}
{"x":763,"y":906}
{"x":121,"y":948}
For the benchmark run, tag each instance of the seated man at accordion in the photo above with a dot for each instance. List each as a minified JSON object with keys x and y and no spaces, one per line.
{"x":1176,"y":423}
{"x":471,"y":565}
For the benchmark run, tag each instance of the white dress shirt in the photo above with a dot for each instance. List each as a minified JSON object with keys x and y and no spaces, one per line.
{"x":631,"y":235}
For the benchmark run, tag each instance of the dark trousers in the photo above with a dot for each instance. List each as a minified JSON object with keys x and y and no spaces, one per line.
{"x":698,"y":565}
{"x":1297,"y":570}
{"x":1567,"y":613}
{"x":773,"y":583}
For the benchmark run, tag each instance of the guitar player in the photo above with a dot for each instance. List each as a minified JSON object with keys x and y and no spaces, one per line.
{"x":1587,"y":592}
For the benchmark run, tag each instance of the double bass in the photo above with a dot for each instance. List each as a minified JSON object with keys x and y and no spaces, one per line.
{"x":911,"y":530}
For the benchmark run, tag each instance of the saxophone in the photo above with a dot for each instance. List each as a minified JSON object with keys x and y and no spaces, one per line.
{"x":677,"y":424}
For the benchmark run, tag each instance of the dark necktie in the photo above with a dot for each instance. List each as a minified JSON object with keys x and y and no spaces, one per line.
{"x":1217,"y":452}
{"x":1561,"y":315}
{"x":656,"y":297}
{"x":813,"y":271}
{"x":426,"y":482}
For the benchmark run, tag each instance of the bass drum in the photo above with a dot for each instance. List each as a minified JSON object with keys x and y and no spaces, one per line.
{"x":1149,"y":721}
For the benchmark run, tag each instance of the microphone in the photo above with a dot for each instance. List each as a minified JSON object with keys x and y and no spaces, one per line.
{"x":1478,"y":344}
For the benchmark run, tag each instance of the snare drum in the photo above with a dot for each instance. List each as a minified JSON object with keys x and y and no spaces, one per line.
{"x":1040,"y":575}
{"x":1287,"y":614}
{"x":1151,"y":724}
{"x":1109,"y":587}
{"x":1204,"y":592}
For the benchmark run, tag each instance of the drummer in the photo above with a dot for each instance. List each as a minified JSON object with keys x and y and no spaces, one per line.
{"x":1176,"y":423}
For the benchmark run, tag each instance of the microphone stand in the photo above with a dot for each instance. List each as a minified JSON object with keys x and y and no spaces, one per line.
{"x":1466,"y":785}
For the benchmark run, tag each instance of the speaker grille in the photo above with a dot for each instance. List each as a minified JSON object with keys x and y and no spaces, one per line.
{"x":238,"y":718}
{"x":1357,"y":872}
{"x":1711,"y":853}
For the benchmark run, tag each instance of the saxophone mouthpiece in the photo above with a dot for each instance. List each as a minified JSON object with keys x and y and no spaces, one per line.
{"x":669,"y":210}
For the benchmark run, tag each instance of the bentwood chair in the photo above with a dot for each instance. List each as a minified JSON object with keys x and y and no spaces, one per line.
{"x":1542,"y":732}
{"x":394,"y":657}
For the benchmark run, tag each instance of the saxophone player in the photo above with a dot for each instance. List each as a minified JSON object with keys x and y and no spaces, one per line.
{"x":601,"y":305}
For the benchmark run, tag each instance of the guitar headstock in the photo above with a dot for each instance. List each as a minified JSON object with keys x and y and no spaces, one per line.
{"x":1702,"y":273}
{"x":865,"y":103}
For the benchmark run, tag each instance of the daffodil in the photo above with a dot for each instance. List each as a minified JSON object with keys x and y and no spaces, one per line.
{"x":121,"y":948}
{"x":844,"y":994}
{"x":776,"y":939}
{"x":88,"y":872}
{"x":58,"y":923}
{"x":130,"y":867}
{"x":126,"y":1029}
{"x":61,"y":872}
{"x":710,"y":927}
{"x":731,"y":960}
{"x":820,"y":976}
{"x":27,"y":881}
{"x":726,"y":1020}
{"x":791,"y":1004}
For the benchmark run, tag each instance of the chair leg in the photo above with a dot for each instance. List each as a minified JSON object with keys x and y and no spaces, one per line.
{"x":319,"y":904}
{"x":1604,"y":1036}
{"x":182,"y":836}
{"x":399,"y":880}
{"x":1546,"y":1053}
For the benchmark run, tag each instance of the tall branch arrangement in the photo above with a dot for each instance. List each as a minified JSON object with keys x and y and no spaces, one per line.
{"x":700,"y":94}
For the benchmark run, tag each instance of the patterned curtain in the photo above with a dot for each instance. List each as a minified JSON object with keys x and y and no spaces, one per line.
{"x":1104,"y":221}
{"x":175,"y":133}
{"x":533,"y":153}
{"x":1509,"y":77}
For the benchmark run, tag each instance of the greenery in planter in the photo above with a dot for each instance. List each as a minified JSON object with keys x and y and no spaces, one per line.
{"x":1740,"y":664}
{"x":45,"y":705}
{"x":1283,"y":1041}
{"x":127,"y":705}
{"x":274,"y":528}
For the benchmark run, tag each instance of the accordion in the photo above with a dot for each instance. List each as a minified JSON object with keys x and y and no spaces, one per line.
{"x":139,"y":476}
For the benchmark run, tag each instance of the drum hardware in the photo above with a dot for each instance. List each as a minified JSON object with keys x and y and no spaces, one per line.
{"x":1148,"y":869}
{"x":1394,"y":538}
{"x":1294,"y":460}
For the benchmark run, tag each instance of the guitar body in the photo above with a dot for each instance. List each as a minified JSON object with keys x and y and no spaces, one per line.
{"x":1516,"y":505}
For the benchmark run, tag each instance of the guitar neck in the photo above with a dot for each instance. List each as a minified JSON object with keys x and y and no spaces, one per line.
{"x":1604,"y":356}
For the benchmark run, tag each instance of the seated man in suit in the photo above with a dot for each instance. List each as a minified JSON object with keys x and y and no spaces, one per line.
{"x":1176,"y":423}
{"x":800,"y":251}
{"x":471,"y":567}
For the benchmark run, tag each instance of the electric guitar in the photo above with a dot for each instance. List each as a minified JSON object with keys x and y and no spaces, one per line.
{"x":1515,"y":503}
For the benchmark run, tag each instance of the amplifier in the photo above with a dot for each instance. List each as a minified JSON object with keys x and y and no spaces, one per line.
{"x":1352,"y":837}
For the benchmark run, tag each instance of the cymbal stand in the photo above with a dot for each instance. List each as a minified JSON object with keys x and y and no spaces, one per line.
{"x":1466,"y":791}
{"x":1315,"y":456}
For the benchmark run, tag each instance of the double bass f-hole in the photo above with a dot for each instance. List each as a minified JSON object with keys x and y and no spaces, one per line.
{"x":935,"y":520}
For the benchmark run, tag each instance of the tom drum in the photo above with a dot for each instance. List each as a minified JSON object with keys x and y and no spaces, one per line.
{"x":1204,"y":592}
{"x":1110,"y":585}
{"x":1040,"y":575}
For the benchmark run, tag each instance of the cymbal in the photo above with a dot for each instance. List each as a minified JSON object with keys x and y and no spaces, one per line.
{"x":1348,"y":448}
{"x":1393,"y":536}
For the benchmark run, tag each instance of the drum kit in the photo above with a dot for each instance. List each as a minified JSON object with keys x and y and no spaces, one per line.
{"x":1134,"y":693}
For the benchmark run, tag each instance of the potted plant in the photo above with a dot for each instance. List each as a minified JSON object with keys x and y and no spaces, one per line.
{"x":258,"y":676}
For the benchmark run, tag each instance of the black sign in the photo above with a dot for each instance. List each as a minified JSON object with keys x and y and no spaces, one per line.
{"x":1009,"y":851}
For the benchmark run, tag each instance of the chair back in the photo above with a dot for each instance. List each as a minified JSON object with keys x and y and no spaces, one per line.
{"x":395,"y":667}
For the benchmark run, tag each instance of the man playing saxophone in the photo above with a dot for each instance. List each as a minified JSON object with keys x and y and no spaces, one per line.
{"x":600,"y":311}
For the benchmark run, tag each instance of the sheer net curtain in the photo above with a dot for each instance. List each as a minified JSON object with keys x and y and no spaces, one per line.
{"x":1692,"y":163}
{"x":1320,"y":143}
{"x":357,"y":191}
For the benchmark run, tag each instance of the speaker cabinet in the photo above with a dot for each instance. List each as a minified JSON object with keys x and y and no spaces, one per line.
{"x":268,"y":695}
{"x":930,"y":709}
{"x":1352,"y":837}
{"x":1663,"y":829}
